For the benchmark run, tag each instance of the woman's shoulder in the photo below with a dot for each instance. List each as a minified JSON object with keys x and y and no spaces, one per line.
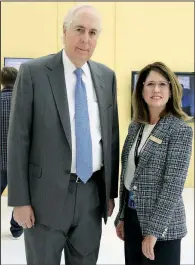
{"x":178,"y":124}
{"x":133,"y":125}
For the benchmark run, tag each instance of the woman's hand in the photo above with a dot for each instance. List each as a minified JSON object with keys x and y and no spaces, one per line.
{"x":120,"y":230}
{"x":148,"y":246}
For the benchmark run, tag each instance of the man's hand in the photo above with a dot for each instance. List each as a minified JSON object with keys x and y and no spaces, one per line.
{"x":120,"y":230}
{"x":148,"y":246}
{"x":24,"y":216}
{"x":111,"y":205}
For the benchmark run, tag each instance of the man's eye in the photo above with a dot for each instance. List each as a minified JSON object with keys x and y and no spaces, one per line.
{"x":93,"y":33}
{"x":79,"y":30}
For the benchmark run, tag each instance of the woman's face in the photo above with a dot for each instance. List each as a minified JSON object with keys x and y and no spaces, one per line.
{"x":156,"y":91}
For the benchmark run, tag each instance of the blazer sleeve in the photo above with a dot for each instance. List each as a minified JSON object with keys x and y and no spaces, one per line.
{"x":115,"y":145}
{"x":177,"y":163}
{"x":19,"y":139}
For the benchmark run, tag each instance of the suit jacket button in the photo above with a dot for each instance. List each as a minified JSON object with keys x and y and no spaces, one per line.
{"x":135,"y":187}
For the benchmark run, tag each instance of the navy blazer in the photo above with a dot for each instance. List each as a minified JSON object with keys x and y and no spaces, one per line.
{"x":6,"y":95}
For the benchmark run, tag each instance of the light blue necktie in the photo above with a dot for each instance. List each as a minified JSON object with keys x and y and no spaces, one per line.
{"x":82,"y":130}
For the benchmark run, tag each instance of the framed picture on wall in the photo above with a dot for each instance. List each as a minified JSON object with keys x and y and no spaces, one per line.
{"x":186,"y":80}
{"x":15,"y":62}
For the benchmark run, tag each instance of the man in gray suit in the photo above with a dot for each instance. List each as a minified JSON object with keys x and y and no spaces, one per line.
{"x":63,"y":147}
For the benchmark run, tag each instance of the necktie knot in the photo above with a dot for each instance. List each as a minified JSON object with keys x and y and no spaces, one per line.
{"x":78,"y":73}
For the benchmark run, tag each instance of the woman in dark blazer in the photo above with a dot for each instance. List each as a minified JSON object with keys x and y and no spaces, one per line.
{"x":155,"y":160}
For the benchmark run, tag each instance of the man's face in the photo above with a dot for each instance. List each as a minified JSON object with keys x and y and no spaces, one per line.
{"x":81,"y":36}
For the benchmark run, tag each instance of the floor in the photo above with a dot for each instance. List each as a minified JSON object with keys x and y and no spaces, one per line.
{"x":111,"y":249}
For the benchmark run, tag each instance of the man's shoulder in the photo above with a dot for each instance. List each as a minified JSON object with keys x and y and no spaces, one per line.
{"x":41,"y":61}
{"x":6,"y":94}
{"x":102,"y":67}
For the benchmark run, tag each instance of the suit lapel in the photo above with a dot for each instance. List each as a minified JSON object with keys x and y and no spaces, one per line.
{"x":57,"y":82}
{"x":101,"y":99}
{"x":153,"y":142}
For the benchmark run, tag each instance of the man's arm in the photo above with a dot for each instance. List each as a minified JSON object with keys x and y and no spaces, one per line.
{"x":19,"y":139}
{"x":115,"y":145}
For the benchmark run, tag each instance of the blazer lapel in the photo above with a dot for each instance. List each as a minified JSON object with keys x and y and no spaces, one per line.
{"x":57,"y":82}
{"x":132,"y":133}
{"x":154,"y":140}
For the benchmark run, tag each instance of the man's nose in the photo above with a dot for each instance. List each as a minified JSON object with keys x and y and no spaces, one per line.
{"x":85,"y":37}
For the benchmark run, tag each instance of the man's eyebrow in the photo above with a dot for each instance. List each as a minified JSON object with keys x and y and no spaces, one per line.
{"x":79,"y":26}
{"x":82,"y":27}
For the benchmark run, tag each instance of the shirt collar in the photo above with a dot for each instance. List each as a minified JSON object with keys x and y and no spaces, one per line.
{"x":69,"y":66}
{"x":7,"y":89}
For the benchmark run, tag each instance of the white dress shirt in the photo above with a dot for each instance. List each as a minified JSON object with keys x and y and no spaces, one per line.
{"x":130,"y":170}
{"x":93,"y":109}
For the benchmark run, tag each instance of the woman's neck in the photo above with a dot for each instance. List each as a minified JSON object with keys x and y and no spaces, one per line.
{"x":155,"y":114}
{"x":154,"y":118}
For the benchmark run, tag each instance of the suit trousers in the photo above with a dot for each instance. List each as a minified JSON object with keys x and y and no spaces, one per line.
{"x":81,"y":236}
{"x":3,"y":180}
{"x":166,"y":252}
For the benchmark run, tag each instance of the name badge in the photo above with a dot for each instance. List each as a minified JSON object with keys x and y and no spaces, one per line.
{"x":155,"y":139}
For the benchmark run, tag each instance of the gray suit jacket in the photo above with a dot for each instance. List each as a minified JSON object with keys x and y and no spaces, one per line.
{"x":159,"y":178}
{"x":39,"y":139}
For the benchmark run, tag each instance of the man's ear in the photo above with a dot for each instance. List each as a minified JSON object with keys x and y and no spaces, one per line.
{"x":64,"y":30}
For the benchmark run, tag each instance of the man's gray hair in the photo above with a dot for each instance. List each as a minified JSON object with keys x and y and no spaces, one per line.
{"x":71,"y":13}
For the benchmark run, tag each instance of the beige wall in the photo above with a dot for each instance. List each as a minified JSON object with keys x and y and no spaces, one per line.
{"x":148,"y":32}
{"x":134,"y":34}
